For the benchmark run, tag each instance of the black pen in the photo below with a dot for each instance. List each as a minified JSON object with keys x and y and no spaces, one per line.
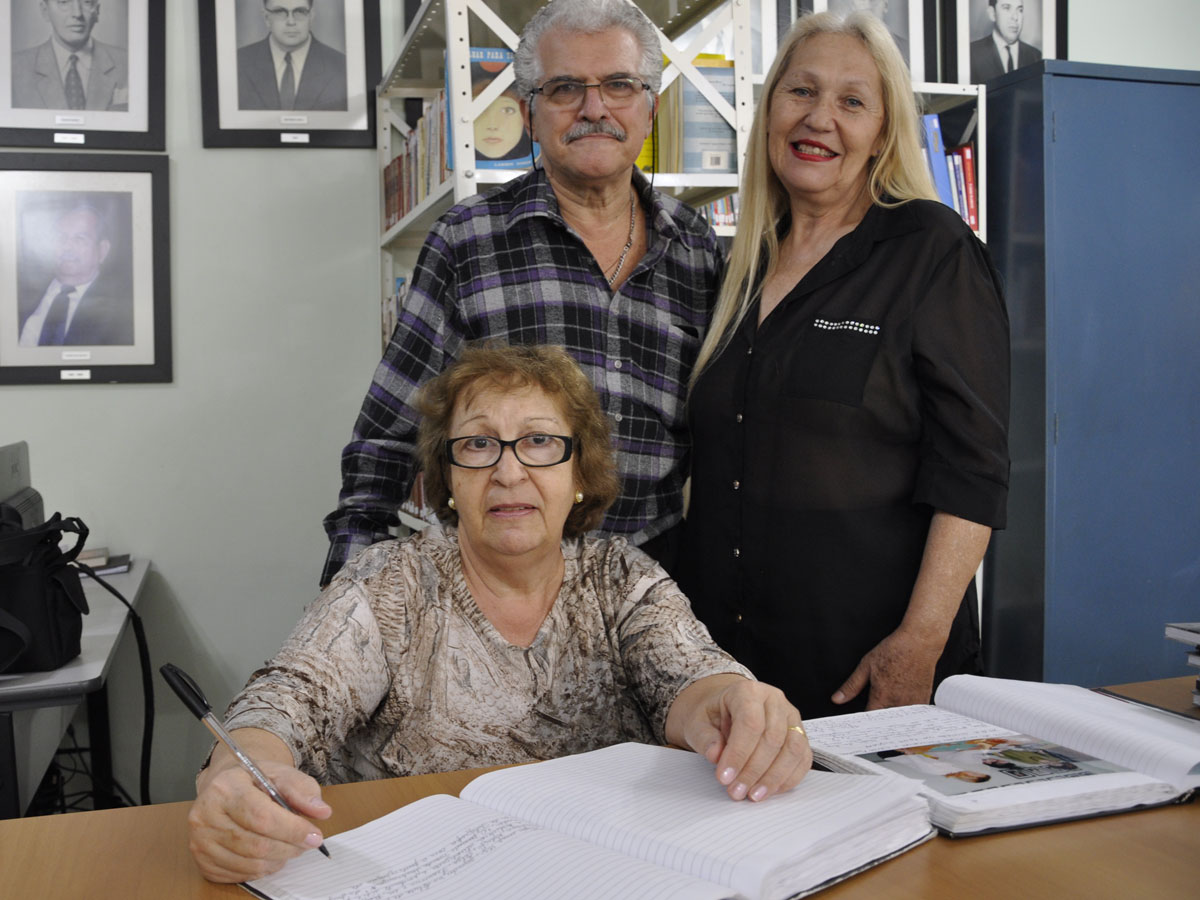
{"x":193,"y":698}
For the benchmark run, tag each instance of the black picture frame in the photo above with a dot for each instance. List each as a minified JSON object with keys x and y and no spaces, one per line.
{"x":125,"y":95}
{"x":967,"y":25}
{"x":238,"y":107}
{"x":912,"y":27}
{"x":63,"y":218}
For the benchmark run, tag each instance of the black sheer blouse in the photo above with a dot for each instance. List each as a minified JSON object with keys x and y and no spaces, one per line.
{"x":875,"y":393}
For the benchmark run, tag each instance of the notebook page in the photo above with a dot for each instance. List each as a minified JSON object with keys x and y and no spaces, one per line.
{"x":665,"y":806}
{"x":442,"y":848}
{"x":1076,"y":717}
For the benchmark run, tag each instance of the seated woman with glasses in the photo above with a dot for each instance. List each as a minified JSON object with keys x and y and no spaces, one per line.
{"x":504,"y":635}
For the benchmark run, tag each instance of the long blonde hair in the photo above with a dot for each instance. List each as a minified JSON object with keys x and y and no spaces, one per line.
{"x":898,"y":174}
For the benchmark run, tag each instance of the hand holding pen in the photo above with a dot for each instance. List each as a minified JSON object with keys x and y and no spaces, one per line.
{"x":233,"y":837}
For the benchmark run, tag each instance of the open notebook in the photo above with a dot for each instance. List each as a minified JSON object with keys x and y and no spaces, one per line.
{"x":631,"y":821}
{"x":993,"y":754}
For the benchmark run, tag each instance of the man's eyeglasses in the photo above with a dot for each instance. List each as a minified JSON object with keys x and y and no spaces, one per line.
{"x":278,"y":13}
{"x":567,"y":93}
{"x":481,"y":451}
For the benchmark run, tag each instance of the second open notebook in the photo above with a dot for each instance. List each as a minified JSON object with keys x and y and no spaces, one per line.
{"x":993,"y":754}
{"x":629,"y":821}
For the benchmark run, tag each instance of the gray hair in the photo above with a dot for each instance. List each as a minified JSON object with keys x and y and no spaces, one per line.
{"x":588,"y":17}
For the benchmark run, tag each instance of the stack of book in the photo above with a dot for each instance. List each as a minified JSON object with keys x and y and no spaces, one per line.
{"x":1188,"y":633}
{"x":101,"y":562}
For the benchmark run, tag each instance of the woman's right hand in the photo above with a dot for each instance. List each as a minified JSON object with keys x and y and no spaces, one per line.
{"x":236,"y":831}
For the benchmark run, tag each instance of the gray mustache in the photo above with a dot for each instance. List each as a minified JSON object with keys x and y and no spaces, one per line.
{"x":583,"y":129}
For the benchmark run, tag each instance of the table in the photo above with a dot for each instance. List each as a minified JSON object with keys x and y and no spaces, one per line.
{"x":29,"y":735}
{"x":142,"y":853}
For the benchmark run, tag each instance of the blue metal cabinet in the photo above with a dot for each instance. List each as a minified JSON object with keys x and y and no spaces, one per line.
{"x":1094,"y":220}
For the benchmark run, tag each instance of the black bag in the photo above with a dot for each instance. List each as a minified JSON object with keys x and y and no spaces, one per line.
{"x":41,"y":600}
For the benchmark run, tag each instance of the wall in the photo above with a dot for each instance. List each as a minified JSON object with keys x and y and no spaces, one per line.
{"x":1157,"y":33}
{"x":222,"y":477}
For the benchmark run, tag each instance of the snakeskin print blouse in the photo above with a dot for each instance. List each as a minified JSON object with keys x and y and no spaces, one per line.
{"x":394,"y":670}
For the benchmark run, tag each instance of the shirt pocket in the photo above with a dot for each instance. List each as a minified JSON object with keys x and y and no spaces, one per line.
{"x":833,"y":361}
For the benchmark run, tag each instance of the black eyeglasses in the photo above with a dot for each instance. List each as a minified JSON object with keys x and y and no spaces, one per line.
{"x":567,"y":93}
{"x":481,"y":451}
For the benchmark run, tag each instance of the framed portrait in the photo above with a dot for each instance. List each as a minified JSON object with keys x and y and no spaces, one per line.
{"x":81,"y":74}
{"x":84,"y":269}
{"x":906,"y":21}
{"x":992,"y":37}
{"x":289,"y":73}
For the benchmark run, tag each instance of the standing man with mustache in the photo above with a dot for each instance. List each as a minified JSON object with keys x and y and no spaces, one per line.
{"x":580,"y":253}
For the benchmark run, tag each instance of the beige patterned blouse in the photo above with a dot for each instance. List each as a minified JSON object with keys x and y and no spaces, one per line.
{"x":394,"y":670}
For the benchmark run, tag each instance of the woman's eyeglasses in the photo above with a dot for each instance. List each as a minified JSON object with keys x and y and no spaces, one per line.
{"x":480,"y":451}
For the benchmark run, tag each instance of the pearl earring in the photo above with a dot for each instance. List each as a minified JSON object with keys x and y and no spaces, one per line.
{"x":579,"y":496}
{"x":450,"y":503}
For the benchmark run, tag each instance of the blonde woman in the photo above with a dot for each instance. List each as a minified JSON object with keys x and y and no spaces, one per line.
{"x":849,"y":411}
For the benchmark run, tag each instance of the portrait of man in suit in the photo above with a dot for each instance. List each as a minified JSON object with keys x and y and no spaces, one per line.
{"x":83,"y":304}
{"x":290,"y":68}
{"x":71,"y":69}
{"x":1002,"y":50}
{"x":897,"y":22}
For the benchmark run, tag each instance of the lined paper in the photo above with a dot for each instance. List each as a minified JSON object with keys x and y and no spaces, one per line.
{"x":665,"y":806}
{"x":442,"y":848}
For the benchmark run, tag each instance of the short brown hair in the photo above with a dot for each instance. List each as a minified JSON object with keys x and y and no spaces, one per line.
{"x":551,"y":370}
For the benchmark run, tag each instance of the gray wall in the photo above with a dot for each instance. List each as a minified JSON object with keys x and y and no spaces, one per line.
{"x":222,"y":477}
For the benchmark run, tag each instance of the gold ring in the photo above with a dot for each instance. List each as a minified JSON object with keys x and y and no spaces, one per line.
{"x":799,"y":728}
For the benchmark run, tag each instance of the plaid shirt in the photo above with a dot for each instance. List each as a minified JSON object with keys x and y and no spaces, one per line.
{"x":507,"y":265}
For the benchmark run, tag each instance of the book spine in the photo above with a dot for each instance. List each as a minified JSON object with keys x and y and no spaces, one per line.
{"x":936,"y":150}
{"x":968,"y":166}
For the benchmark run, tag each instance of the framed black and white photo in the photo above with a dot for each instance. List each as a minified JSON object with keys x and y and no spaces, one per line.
{"x":298,"y":73}
{"x":992,"y":37}
{"x":905,"y":19}
{"x":81,"y":74}
{"x":84,"y":268}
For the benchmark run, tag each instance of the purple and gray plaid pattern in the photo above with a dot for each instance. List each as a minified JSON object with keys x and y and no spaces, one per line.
{"x":507,"y":265}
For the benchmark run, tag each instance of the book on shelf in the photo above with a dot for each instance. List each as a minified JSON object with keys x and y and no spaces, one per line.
{"x":935,"y":150}
{"x":722,"y":212}
{"x":630,"y":821}
{"x":707,"y":142}
{"x":993,"y":754}
{"x":419,"y":165}
{"x":966,"y":160}
{"x":390,"y":306}
{"x":692,"y":136}
{"x":501,"y":139}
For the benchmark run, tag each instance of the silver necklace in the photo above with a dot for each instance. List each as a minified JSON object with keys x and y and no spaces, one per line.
{"x":628,"y":243}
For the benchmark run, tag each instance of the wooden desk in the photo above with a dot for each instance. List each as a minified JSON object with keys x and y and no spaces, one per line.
{"x":26,"y":743}
{"x":142,"y":853}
